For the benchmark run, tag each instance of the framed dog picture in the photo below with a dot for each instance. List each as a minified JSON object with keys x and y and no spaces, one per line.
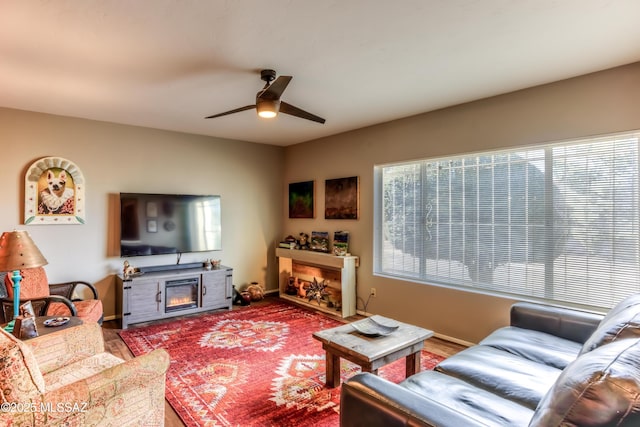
{"x":54,"y":192}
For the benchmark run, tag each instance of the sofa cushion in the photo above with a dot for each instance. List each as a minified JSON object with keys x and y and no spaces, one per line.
{"x":502,"y":373}
{"x":623,"y":321}
{"x":462,"y":397}
{"x":600,"y":388}
{"x":534,"y":345}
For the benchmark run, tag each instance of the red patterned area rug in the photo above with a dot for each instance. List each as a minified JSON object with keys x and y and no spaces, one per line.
{"x":255,"y":366}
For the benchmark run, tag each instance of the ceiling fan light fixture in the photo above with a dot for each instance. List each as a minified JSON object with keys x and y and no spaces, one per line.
{"x":268,"y":108}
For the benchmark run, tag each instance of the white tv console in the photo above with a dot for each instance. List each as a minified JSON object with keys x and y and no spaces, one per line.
{"x":176,"y":292}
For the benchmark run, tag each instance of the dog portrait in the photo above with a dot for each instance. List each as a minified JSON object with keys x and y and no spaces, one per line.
{"x":56,"y":195}
{"x":54,"y":192}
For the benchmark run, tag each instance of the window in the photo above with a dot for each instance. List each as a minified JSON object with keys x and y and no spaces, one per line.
{"x":557,"y":222}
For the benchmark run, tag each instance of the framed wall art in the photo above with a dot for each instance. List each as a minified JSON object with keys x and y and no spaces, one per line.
{"x":342,"y":198}
{"x":301,"y":199}
{"x":152,"y":226}
{"x":54,"y":192}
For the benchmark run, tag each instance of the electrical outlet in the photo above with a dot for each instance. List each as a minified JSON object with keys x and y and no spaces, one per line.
{"x":373,"y":292}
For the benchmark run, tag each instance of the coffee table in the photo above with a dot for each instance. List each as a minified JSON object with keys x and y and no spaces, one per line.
{"x":371,"y":352}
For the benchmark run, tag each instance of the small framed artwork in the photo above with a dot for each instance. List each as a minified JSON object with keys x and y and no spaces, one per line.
{"x":152,"y":209}
{"x":152,"y":226}
{"x":342,"y":198}
{"x":301,"y":199}
{"x":54,"y":192}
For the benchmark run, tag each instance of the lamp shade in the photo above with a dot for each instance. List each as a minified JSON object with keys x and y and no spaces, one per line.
{"x":17,"y":252}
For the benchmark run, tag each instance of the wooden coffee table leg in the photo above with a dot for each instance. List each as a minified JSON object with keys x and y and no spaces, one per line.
{"x":332,"y":363}
{"x":413,"y":364}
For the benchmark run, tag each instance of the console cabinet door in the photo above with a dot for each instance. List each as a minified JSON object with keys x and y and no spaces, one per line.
{"x":214,"y":289}
{"x":145,"y":300}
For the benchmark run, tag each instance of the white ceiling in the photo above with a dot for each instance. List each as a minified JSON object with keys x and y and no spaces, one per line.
{"x":167,"y":64}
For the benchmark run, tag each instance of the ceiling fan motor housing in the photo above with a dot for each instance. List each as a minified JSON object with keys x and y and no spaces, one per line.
{"x":268,"y":75}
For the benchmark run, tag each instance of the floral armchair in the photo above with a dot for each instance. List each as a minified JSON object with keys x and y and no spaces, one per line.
{"x":65,"y":378}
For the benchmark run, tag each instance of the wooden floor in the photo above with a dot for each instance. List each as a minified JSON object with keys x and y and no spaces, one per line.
{"x":117,"y":347}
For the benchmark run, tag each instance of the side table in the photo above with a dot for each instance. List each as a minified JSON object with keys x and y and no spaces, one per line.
{"x":44,"y":330}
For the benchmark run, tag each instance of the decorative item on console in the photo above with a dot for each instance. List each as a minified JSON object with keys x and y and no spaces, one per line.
{"x":341,"y":243}
{"x":211,"y":264}
{"x":315,"y":291}
{"x":321,"y":291}
{"x":129,"y":270}
{"x":334,"y":297}
{"x":320,"y":241}
{"x":292,"y":286}
{"x":303,"y":242}
{"x":301,"y":287}
{"x":289,"y":242}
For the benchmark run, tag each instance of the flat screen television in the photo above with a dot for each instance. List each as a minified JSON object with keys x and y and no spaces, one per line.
{"x":156,"y":224}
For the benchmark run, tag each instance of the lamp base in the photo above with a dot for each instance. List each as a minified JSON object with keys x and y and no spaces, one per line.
{"x":9,"y":327}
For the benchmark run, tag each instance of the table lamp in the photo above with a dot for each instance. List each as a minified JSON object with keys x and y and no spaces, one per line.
{"x":18,"y":252}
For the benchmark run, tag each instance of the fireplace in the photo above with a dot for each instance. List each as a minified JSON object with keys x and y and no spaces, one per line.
{"x":181,"y":294}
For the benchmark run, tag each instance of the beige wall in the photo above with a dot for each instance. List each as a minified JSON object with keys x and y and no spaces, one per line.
{"x":118,"y":158}
{"x":253,"y":181}
{"x":588,"y":105}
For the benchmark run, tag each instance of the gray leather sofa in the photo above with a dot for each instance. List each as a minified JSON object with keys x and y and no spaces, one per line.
{"x":551,"y":367}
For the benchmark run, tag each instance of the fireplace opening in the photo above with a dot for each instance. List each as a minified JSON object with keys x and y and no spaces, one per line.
{"x":181,"y":294}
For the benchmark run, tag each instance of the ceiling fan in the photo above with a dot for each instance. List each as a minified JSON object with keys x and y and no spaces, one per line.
{"x":268,"y":102}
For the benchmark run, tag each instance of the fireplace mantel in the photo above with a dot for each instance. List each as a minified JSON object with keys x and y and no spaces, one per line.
{"x":342,"y":269}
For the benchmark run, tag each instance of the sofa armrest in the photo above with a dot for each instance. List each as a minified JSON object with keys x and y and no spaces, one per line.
{"x":144,"y":375}
{"x":66,"y":346}
{"x":371,"y":401}
{"x":571,"y":324}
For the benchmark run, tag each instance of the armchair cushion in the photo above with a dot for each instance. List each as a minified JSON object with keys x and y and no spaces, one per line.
{"x":35,"y":285}
{"x":88,"y":310}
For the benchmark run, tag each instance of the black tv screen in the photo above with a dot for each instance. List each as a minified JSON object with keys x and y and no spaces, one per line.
{"x":155,"y":224}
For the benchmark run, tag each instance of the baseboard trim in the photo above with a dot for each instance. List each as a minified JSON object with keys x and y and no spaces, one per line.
{"x":108,"y":318}
{"x":435,"y":334}
{"x":453,"y":340}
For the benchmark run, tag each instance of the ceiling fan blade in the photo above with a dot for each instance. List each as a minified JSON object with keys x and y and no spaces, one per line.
{"x":295,"y":111}
{"x":237,"y":110}
{"x":275,"y":89}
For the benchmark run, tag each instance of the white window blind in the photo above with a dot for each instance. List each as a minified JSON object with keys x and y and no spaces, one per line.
{"x":556,"y":222}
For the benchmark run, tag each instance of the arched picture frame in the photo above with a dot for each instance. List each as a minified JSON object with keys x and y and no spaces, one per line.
{"x":54,"y":192}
